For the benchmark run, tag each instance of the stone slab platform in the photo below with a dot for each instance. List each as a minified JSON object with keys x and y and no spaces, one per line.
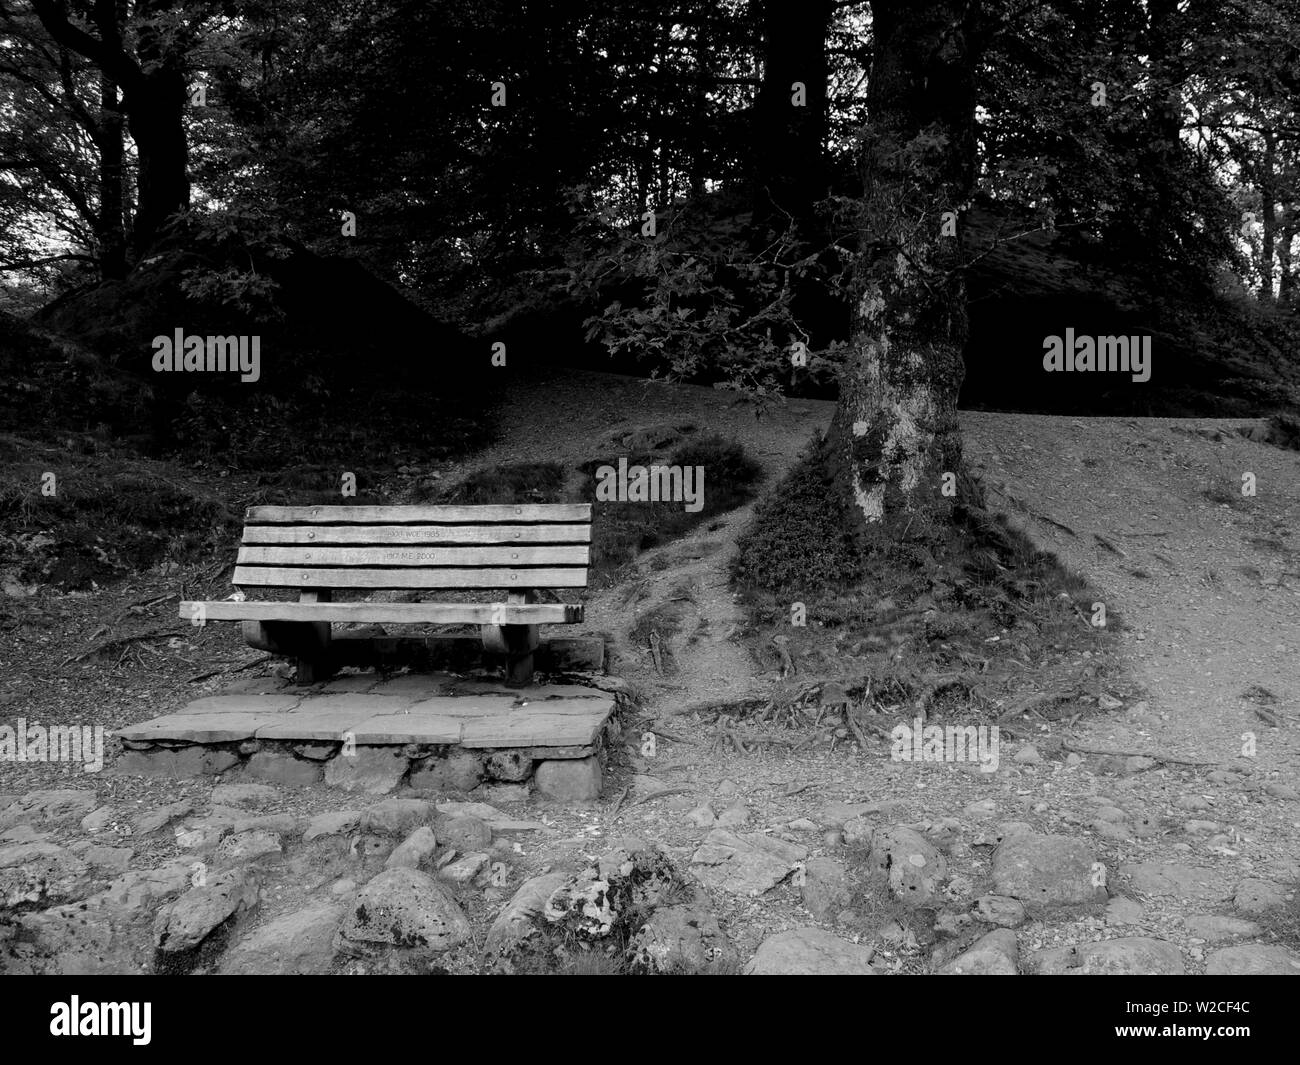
{"x":556,"y":720}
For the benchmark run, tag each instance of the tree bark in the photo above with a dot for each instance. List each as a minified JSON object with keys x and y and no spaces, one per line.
{"x":153,"y":97}
{"x":895,"y":432}
{"x":789,"y":140}
{"x":110,"y":227}
{"x":1268,"y":215}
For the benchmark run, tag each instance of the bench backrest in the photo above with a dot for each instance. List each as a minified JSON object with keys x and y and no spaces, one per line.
{"x":544,"y":545}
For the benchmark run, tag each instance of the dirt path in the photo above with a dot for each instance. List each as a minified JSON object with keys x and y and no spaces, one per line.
{"x":1205,"y":580}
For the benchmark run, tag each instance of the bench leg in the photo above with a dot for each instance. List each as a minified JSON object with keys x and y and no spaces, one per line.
{"x":519,"y":669}
{"x":516,"y":642}
{"x":306,"y":641}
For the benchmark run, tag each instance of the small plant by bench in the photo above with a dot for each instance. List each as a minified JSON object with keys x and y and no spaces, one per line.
{"x":319,"y":550}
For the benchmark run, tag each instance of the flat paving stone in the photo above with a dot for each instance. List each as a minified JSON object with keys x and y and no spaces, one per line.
{"x":198,"y":728}
{"x":352,"y":682}
{"x":408,"y":728}
{"x":531,"y":693}
{"x":364,"y":703}
{"x":470,"y":706}
{"x":418,"y":684}
{"x":243,"y":704}
{"x":314,"y":725}
{"x":566,"y":719}
{"x":531,"y":730}
{"x":600,"y":707}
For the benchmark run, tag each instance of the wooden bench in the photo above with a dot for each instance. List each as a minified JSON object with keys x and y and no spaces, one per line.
{"x":322,"y":549}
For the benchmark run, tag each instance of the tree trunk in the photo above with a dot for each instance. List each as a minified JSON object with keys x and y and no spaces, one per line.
{"x":110,"y":225}
{"x":1268,"y":215}
{"x":895,"y":432}
{"x":788,"y":140}
{"x":155,"y":117}
{"x":1286,"y":261}
{"x":153,"y":97}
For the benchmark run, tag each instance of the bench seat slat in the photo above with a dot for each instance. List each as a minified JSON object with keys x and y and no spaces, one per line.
{"x":358,"y":577}
{"x":403,"y":613}
{"x":549,"y":513}
{"x":417,"y":534}
{"x":415,"y":555}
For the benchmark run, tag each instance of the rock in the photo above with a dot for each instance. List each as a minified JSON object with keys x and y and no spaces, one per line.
{"x":1214,"y":929}
{"x":1167,"y":878}
{"x":244,"y":796}
{"x":1257,"y":896}
{"x":374,"y":770}
{"x":297,"y":944}
{"x":151,"y":821}
{"x":995,"y":954}
{"x":1028,"y":755}
{"x":245,"y":846}
{"x":514,"y":929}
{"x":460,"y":771}
{"x":506,"y":793}
{"x":103,"y":859}
{"x":316,"y":752}
{"x":1253,"y":959}
{"x":809,"y":952}
{"x":343,"y":887}
{"x":702,"y":817}
{"x":336,"y":823}
{"x":136,"y":890}
{"x":857,"y":830}
{"x":464,"y":869}
{"x":744,"y":865}
{"x":395,"y":817}
{"x":826,"y":888}
{"x":284,"y":824}
{"x":1138,"y":956}
{"x":999,"y":910}
{"x":1123,"y":911}
{"x":835,"y":814}
{"x":682,"y":939}
{"x":40,"y":873}
{"x":180,"y":762}
{"x":909,"y":863}
{"x":47,"y":809}
{"x":184,"y":924}
{"x":413,"y":851}
{"x":466,"y":833}
{"x":1045,"y":872}
{"x":98,"y":819}
{"x":279,"y":767}
{"x":734,"y":816}
{"x":404,"y":909}
{"x":510,"y":766}
{"x":569,"y":779}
